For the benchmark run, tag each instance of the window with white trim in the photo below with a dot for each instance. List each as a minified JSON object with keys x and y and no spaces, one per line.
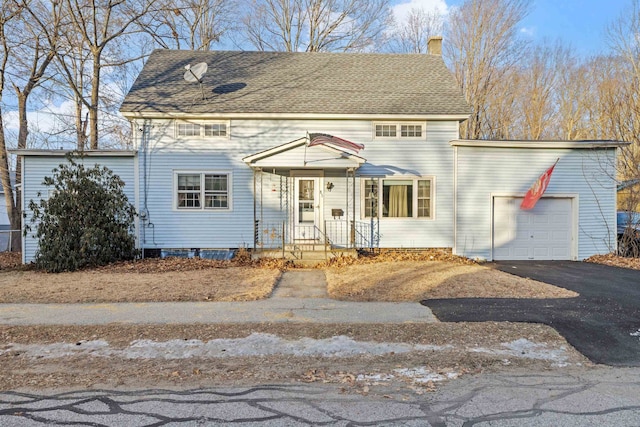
{"x":188,"y":129}
{"x":399,"y":130}
{"x":397,"y":198}
{"x":215,"y":129}
{"x":202,"y":129}
{"x":202,"y":190}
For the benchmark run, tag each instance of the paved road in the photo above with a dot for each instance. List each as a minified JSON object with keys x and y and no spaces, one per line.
{"x":577,"y":397}
{"x":603,"y":323}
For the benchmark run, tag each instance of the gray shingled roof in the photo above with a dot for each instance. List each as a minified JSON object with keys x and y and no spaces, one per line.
{"x":279,"y":82}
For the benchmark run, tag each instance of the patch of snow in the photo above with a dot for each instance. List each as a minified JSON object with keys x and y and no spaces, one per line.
{"x":374,"y":377}
{"x":59,"y":349}
{"x":256,"y":344}
{"x":260,"y":344}
{"x":523,"y":348}
{"x":422,"y":375}
{"x":419,"y":375}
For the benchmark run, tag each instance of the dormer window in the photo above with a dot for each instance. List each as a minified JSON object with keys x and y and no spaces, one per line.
{"x":413,"y":130}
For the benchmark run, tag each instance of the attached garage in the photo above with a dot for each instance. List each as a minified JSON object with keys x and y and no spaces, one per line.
{"x":575,"y":219}
{"x":545,"y":232}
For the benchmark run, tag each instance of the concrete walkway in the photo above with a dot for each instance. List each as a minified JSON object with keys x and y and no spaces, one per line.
{"x":300,"y":296}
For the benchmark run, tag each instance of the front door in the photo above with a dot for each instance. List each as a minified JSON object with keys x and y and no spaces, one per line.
{"x":307,"y":209}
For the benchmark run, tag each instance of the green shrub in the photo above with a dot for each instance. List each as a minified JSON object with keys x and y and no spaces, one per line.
{"x":86,"y":221}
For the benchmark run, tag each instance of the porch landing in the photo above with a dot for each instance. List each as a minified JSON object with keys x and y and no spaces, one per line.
{"x":306,"y":254}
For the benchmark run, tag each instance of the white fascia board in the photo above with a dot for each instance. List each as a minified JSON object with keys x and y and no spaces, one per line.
{"x":537,"y":144}
{"x":274,"y":150}
{"x":294,"y":116}
{"x":62,"y":153}
{"x":253,"y":158}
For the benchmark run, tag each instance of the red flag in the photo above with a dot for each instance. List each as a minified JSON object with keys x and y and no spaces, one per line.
{"x":537,"y":189}
{"x":323,"y":138}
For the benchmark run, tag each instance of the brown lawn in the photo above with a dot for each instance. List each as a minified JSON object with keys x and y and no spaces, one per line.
{"x":385,"y":277}
{"x":418,"y":280}
{"x":213,"y":284}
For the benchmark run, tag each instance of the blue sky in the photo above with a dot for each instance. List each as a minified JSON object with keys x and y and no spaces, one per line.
{"x":580,"y":23}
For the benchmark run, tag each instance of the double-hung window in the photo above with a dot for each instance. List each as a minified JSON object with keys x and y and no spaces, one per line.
{"x":398,"y":198}
{"x":202,"y":190}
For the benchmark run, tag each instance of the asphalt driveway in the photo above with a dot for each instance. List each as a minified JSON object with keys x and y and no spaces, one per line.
{"x":603,"y":323}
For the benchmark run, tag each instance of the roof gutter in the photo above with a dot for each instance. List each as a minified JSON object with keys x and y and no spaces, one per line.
{"x":87,"y":153}
{"x":131,"y":115}
{"x":538,"y":144}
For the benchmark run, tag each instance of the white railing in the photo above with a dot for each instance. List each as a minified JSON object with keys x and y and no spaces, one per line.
{"x":337,"y":233}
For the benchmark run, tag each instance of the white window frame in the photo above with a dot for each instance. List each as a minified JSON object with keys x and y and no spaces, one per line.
{"x":202,"y":192}
{"x":203,"y":125}
{"x":398,"y":126}
{"x":414,"y":195}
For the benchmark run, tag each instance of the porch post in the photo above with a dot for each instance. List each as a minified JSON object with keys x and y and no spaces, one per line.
{"x":353,"y":207}
{"x":255,"y":223}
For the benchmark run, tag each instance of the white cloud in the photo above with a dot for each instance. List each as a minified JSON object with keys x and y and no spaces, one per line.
{"x":402,"y":9}
{"x":528,"y":31}
{"x":46,"y":119}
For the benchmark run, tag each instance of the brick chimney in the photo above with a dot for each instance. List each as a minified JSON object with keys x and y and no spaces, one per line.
{"x":434,"y":45}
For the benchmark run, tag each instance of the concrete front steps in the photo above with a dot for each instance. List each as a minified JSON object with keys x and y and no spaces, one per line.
{"x":306,"y":254}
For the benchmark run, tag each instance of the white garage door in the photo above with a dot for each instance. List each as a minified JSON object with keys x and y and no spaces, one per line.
{"x":542,"y":233}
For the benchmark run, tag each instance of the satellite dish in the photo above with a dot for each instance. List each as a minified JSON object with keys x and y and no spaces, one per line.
{"x":195,"y":73}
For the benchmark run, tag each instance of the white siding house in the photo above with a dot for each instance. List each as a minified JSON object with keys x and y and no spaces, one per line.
{"x":229,"y":162}
{"x":251,"y":131}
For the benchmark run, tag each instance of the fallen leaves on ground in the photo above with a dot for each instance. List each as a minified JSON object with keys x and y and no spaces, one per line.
{"x":10,"y":260}
{"x":615,"y":261}
{"x":394,"y":255}
{"x":120,"y":285}
{"x":418,"y":280}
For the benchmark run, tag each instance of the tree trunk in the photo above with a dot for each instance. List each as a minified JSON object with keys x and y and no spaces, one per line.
{"x":13,"y":212}
{"x":93,"y":109}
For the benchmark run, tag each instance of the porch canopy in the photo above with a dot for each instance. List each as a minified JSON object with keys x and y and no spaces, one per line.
{"x":298,"y":155}
{"x":289,"y":189}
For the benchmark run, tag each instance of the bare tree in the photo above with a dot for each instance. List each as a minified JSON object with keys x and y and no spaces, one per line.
{"x":538,"y":84}
{"x":483,"y":44}
{"x":9,"y":14}
{"x":572,"y":98}
{"x":315,"y":25}
{"x":74,"y":68}
{"x":101,"y":26}
{"x":503,"y":118}
{"x":411,"y":35}
{"x":624,"y":37}
{"x":622,"y":104}
{"x":189,"y":24}
{"x":38,"y":29}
